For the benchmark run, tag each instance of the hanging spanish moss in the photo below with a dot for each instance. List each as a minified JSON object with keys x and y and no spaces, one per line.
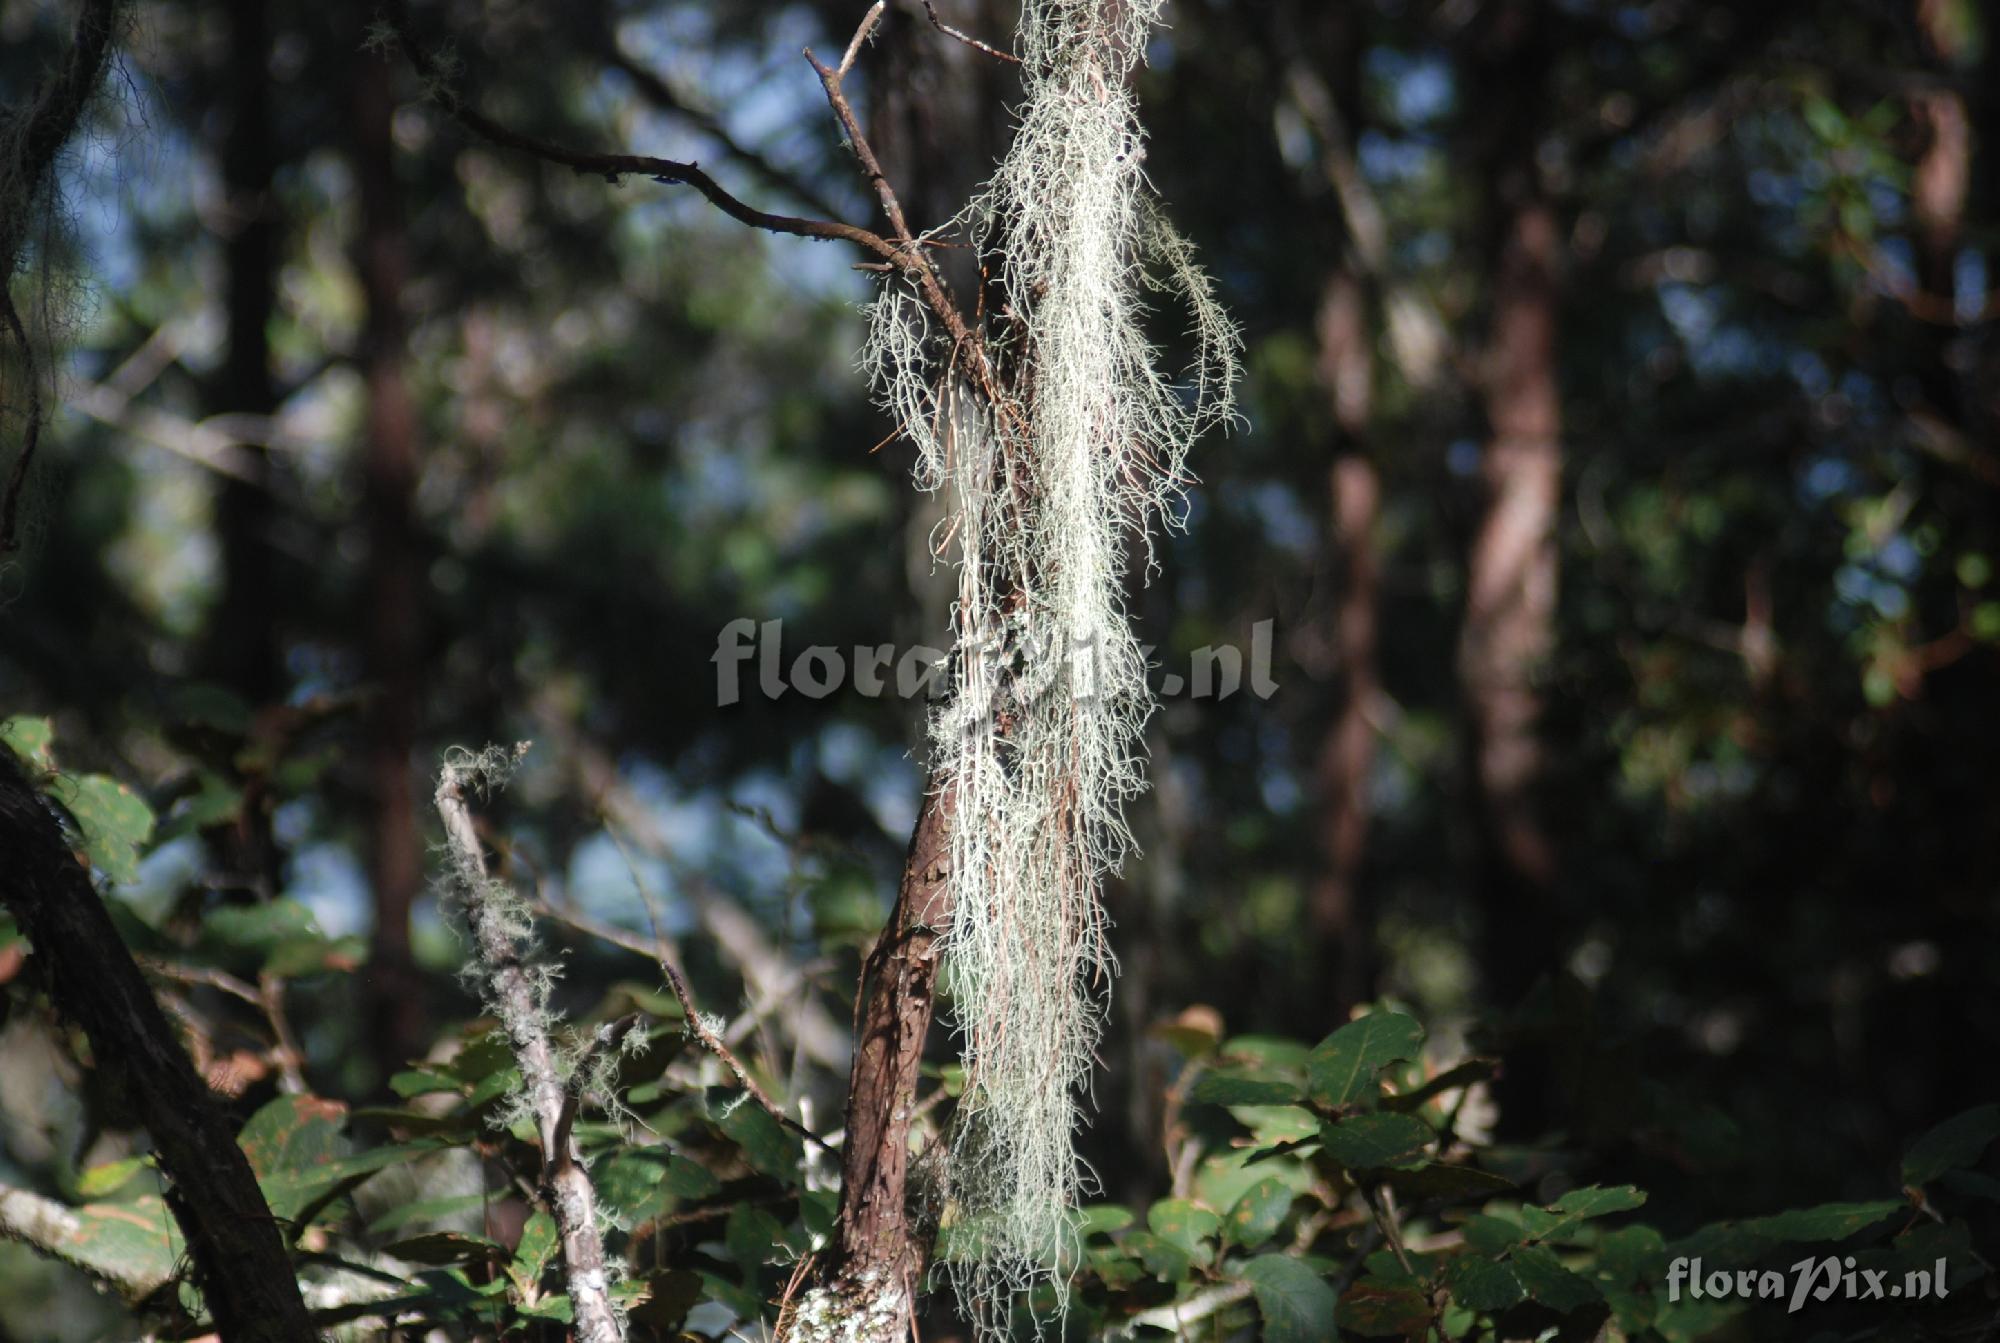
{"x":1058,"y":444}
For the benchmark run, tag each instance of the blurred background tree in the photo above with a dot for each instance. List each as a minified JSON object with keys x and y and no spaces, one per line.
{"x":1623,"y":485}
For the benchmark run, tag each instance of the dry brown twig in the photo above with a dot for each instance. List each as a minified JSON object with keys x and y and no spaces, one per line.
{"x":930,"y":9}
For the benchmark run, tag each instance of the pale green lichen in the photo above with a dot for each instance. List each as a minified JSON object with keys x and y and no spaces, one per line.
{"x":1047,"y":480}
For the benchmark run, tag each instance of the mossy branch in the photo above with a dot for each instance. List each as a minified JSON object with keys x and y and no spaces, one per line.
{"x":502,"y":932}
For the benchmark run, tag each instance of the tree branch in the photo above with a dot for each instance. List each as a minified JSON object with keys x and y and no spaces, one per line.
{"x":615,"y":167}
{"x":246,"y":1278}
{"x":930,"y":9}
{"x":497,"y":949}
{"x":657,"y":92}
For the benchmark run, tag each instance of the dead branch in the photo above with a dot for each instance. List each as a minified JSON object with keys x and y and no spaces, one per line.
{"x":497,"y":957}
{"x":931,"y":9}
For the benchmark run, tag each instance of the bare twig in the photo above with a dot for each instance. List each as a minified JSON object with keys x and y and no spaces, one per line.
{"x":607,"y":1039}
{"x":267,"y":996}
{"x":769,"y":974}
{"x":662,"y":95}
{"x":615,"y":167}
{"x":969,"y":40}
{"x":498,"y":959}
{"x":861,"y":35}
{"x":1382,"y":1204}
{"x":910,"y":256}
{"x":703,"y":1033}
{"x":1175,"y":1316}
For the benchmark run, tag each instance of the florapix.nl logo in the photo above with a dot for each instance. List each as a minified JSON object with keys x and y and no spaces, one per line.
{"x":750,"y":658}
{"x":1807,"y":1280}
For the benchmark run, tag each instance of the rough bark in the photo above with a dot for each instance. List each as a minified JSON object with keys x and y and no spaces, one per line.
{"x":239,"y":1258}
{"x":394,"y":583}
{"x":878,"y":1251}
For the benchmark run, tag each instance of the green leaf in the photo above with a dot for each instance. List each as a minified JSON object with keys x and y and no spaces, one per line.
{"x":687,"y":1180}
{"x":1568,"y":1213}
{"x":1113,"y":1267}
{"x":1101,"y":1219}
{"x":113,"y":820}
{"x":534,"y":1253}
{"x":641,"y":1183}
{"x":1957,"y":1142}
{"x":102,"y":1181}
{"x":291,"y":1136}
{"x":1162,"y":1258}
{"x":256,"y":931}
{"x":1482,"y":1284}
{"x":1829,"y":1221}
{"x":1258,"y":1214}
{"x":1437,"y":1180}
{"x":1277,"y":1123}
{"x":819,"y":1214}
{"x":1631,"y":1255}
{"x":315,"y":954}
{"x":422,"y":1082}
{"x":767,"y":1145}
{"x":1346,"y":1067}
{"x":1825,"y":120}
{"x":1182,"y":1223}
{"x":493,"y":1086}
{"x":550,"y":1308}
{"x":448,"y":1247}
{"x":1549,"y":1282}
{"x":31,"y":739}
{"x":426,"y":1210}
{"x":214,"y":803}
{"x":1296,"y":1303}
{"x":299,"y":1154}
{"x":1492,"y":1235}
{"x":482,"y":1056}
{"x":754,"y":1238}
{"x":1972,"y":1184}
{"x":136,"y":1245}
{"x":1233,"y":1088}
{"x":1377,"y":1307}
{"x":206,"y":704}
{"x":1372,"y":1141}
{"x":1267,"y":1051}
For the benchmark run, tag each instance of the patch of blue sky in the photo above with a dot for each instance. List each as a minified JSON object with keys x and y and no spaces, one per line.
{"x":1417,"y":87}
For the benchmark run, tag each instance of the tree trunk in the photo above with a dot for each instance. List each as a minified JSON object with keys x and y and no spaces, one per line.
{"x":879,"y":1256}
{"x":239,"y":1258}
{"x":1342,"y":929}
{"x":394,"y":584}
{"x":1940,"y":186}
{"x":1510,"y":606}
{"x":244,"y":651}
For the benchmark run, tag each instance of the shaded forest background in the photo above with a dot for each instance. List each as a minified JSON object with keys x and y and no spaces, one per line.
{"x":1622,"y":481}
